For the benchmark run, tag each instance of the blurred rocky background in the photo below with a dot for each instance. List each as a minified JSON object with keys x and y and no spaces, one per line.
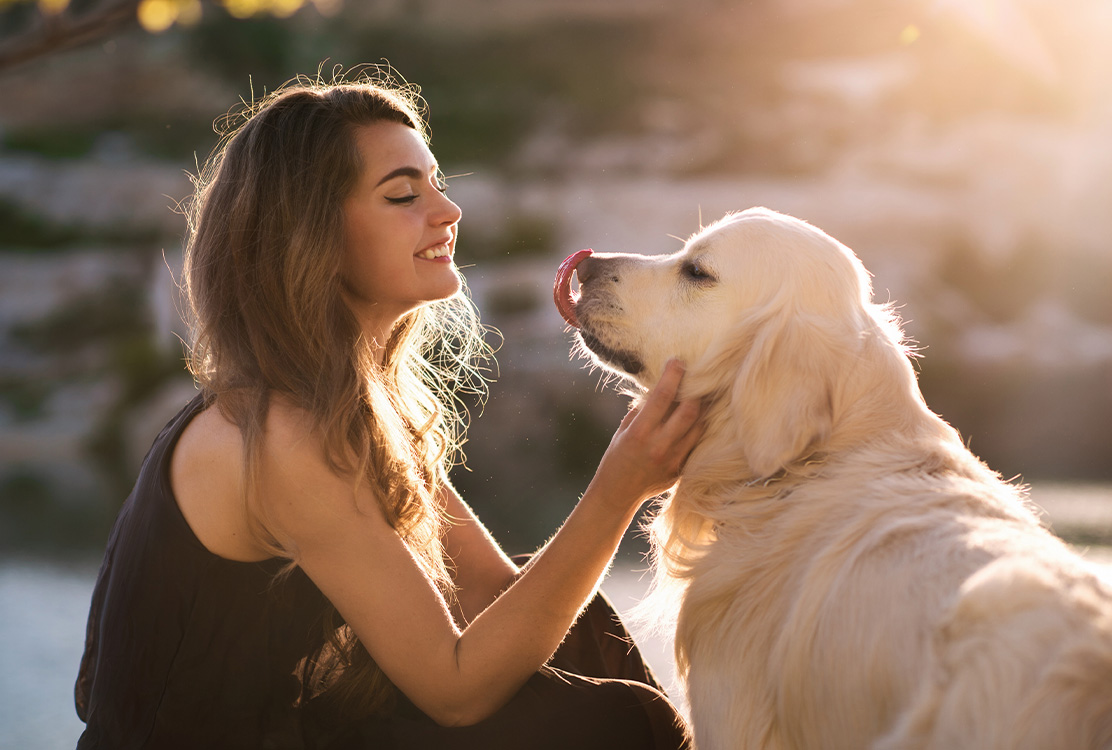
{"x":962,"y":148}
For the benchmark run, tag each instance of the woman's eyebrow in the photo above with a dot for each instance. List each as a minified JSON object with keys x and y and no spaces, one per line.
{"x":411,"y":172}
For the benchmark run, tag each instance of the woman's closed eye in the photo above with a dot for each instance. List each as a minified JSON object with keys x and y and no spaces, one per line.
{"x":403,"y":200}
{"x":439,"y":184}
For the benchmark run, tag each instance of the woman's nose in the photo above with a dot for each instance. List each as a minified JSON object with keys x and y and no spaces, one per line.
{"x":448,"y":212}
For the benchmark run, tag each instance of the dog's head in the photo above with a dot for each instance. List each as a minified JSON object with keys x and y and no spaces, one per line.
{"x":769,"y":313}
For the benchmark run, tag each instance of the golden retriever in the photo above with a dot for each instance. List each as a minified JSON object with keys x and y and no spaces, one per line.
{"x":842,"y":572}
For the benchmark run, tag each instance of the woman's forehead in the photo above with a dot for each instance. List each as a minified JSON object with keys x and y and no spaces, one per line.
{"x":387,"y":148}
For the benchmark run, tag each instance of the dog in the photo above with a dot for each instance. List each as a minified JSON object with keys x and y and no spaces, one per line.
{"x":841,"y":571}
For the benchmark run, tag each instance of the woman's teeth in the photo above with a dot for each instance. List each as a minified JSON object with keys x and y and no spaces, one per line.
{"x":434,"y":252}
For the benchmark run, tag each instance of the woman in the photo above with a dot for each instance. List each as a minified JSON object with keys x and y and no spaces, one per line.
{"x":293,"y":568}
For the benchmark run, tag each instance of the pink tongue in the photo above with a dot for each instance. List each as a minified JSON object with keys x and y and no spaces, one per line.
{"x":561,"y":290}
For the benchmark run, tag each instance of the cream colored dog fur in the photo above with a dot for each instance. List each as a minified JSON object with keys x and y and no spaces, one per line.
{"x":842,"y":572}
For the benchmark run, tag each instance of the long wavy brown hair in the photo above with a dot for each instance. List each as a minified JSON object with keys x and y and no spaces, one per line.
{"x":263,"y":280}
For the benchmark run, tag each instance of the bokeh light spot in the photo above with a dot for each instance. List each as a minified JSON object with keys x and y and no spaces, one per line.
{"x":53,"y":7}
{"x":242,"y":8}
{"x":284,"y":8}
{"x":189,"y":12}
{"x":157,"y":15}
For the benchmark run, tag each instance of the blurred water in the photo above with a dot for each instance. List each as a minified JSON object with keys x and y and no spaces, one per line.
{"x":42,"y":631}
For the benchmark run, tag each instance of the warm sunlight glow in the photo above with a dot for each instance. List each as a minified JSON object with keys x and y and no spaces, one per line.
{"x":1006,"y":27}
{"x":243,"y":8}
{"x":909,"y":35}
{"x":189,"y":12}
{"x":157,"y":15}
{"x":285,"y":8}
{"x":328,"y":8}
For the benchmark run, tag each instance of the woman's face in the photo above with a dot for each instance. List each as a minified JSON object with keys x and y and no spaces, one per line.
{"x":399,"y":229}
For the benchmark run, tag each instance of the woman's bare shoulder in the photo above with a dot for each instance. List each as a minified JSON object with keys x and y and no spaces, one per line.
{"x":207,"y":477}
{"x":293,"y":455}
{"x":303,"y":489}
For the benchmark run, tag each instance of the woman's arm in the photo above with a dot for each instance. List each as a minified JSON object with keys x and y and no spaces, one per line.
{"x":481,"y":570}
{"x":342,"y":541}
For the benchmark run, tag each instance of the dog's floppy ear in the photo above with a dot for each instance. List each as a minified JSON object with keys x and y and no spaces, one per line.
{"x":785,"y":391}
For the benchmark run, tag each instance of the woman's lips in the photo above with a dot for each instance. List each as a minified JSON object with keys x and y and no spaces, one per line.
{"x":440,"y":250}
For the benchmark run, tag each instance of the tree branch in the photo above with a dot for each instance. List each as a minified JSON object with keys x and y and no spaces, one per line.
{"x":65,"y":31}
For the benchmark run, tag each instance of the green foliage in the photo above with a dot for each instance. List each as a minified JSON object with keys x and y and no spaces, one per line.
{"x":114,"y":322}
{"x":22,"y":231}
{"x":264,"y":47}
{"x":485,"y":89}
{"x":16,"y":17}
{"x":34,"y":517}
{"x":520,"y":236}
{"x":24,"y":398}
{"x":515,"y":300}
{"x":173,"y":138}
{"x":26,"y":231}
{"x":581,"y":439}
{"x":114,"y":313}
{"x":529,"y":235}
{"x":142,"y":368}
{"x":57,"y":142}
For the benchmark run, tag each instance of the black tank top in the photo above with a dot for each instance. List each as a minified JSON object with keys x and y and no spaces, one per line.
{"x":186,"y":649}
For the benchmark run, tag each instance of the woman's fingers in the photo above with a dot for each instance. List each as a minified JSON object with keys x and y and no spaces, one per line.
{"x":628,"y":418}
{"x":663,"y":394}
{"x":665,"y":429}
{"x":654,"y":439}
{"x":680,"y":432}
{"x":683,"y":418}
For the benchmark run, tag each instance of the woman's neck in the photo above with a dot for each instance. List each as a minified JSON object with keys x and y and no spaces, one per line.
{"x":377,"y":332}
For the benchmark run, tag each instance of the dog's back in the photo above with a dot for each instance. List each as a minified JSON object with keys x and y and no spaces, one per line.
{"x":1023,"y":661}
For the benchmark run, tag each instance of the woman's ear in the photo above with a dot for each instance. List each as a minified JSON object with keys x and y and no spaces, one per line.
{"x":784,"y":391}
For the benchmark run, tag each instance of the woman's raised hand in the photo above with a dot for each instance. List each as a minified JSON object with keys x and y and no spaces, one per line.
{"x":652,"y":443}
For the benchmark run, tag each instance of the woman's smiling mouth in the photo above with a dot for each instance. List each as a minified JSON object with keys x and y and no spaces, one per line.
{"x":442,"y":250}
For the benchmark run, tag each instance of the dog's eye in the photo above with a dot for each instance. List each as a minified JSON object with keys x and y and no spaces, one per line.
{"x":696,"y":272}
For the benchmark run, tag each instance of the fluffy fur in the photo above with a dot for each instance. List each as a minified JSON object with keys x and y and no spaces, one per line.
{"x":843,"y":572}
